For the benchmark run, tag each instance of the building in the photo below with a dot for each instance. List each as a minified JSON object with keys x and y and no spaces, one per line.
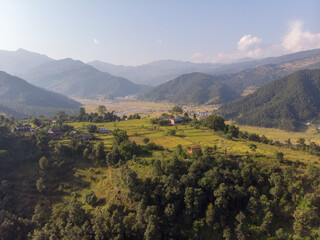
{"x":104,"y":131}
{"x":176,"y":121}
{"x":23,"y":128}
{"x":55,"y":132}
{"x":193,"y":149}
{"x":85,"y":136}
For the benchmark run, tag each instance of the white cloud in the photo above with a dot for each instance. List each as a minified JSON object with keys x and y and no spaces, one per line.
{"x":159,"y":41}
{"x":95,"y":41}
{"x":298,"y":40}
{"x":249,"y":43}
{"x":248,"y":46}
{"x":295,"y":40}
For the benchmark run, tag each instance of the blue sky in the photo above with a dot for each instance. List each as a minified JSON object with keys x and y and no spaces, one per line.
{"x":134,"y":32}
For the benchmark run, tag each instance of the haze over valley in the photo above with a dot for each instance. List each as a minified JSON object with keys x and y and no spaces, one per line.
{"x":151,"y":120}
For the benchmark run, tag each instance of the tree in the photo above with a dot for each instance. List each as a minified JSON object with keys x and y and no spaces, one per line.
{"x":91,"y":199}
{"x":102,"y":110}
{"x":288,"y":142}
{"x":92,"y":128}
{"x":43,"y":142}
{"x":99,"y":151}
{"x":177,"y":109}
{"x":40,"y":185}
{"x":146,"y":140}
{"x":233,"y":131}
{"x":215,"y":122}
{"x":253,"y":147}
{"x":301,"y":143}
{"x":61,"y":117}
{"x":279,"y":156}
{"x":306,"y":217}
{"x":120,"y":136}
{"x":210,"y":215}
{"x":43,"y":163}
{"x":171,"y":132}
{"x":37,"y":122}
{"x":152,"y":231}
{"x":240,"y":228}
{"x":42,"y":213}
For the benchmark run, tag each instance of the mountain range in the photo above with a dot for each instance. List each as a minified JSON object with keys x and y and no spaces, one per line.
{"x":19,"y":98}
{"x":154,"y":73}
{"x":285,"y":103}
{"x":181,"y":91}
{"x":182,"y":82}
{"x":77,"y":79}
{"x":159,"y":72}
{"x":193,"y":88}
{"x":21,"y":61}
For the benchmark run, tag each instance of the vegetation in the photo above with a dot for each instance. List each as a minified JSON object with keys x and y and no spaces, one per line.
{"x":193,"y":88}
{"x":77,"y":79}
{"x":285,"y":103}
{"x":114,"y":188}
{"x":20,"y":98}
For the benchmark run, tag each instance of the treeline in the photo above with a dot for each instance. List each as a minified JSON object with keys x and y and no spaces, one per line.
{"x":208,"y":196}
{"x":217,"y":123}
{"x":189,"y":196}
{"x":287,"y":103}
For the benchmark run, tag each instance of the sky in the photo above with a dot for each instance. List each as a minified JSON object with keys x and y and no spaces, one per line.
{"x":134,"y":32}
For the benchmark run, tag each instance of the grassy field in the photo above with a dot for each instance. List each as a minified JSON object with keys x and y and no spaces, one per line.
{"x":187,"y":136}
{"x":106,"y":184}
{"x":143,"y":108}
{"x":311,"y":134}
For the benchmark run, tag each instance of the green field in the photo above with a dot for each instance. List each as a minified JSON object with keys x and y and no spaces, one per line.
{"x":311,"y":134}
{"x":187,"y":136}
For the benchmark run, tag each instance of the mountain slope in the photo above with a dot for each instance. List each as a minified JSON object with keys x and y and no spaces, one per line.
{"x":20,"y":61}
{"x":159,"y":72}
{"x":74,"y":78}
{"x":284,"y":103}
{"x":24,"y":98}
{"x":193,"y":88}
{"x":9,"y":112}
{"x":154,"y":73}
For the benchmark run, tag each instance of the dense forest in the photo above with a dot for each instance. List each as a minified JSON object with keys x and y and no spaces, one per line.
{"x":193,"y":88}
{"x":23,"y":99}
{"x":204,"y":195}
{"x":286,"y":103}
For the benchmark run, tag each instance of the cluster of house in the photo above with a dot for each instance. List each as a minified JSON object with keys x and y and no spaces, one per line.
{"x":201,"y":115}
{"x":23,"y":128}
{"x":58,"y":133}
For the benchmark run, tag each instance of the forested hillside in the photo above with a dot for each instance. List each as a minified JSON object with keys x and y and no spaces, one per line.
{"x":193,"y":88}
{"x":26,"y":99}
{"x":285,"y":103}
{"x":77,"y":79}
{"x":110,"y":187}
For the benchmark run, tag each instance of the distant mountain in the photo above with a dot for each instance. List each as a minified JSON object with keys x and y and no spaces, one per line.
{"x":77,"y":79}
{"x":16,"y":95}
{"x":9,"y":112}
{"x":259,"y":76}
{"x":193,"y":88}
{"x":310,"y":55}
{"x":284,"y":103}
{"x":20,"y":61}
{"x":154,"y":73}
{"x":239,"y":83}
{"x":159,"y":72}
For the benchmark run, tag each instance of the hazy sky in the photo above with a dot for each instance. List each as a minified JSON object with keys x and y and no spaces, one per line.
{"x":134,"y":32}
